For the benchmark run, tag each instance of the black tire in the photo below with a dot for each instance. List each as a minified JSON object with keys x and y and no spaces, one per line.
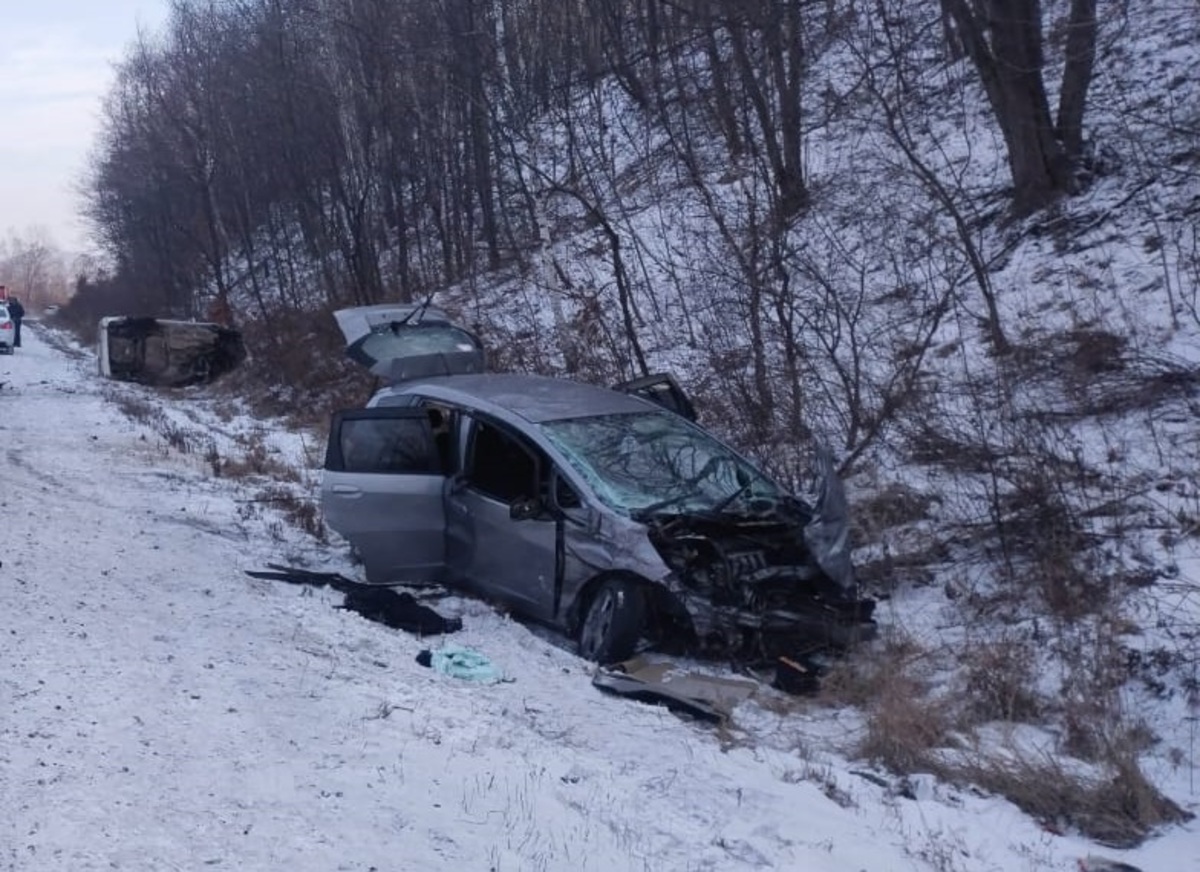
{"x":615,"y":619}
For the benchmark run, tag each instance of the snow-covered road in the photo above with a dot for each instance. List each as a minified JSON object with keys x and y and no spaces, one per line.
{"x":160,"y":710}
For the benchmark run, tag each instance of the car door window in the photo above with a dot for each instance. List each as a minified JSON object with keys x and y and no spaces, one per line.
{"x":387,"y":445}
{"x":500,"y":465}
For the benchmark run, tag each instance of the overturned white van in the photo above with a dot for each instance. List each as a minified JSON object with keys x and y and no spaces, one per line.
{"x":167,"y":353}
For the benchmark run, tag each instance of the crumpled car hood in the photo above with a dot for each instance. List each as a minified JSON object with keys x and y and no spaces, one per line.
{"x":796,"y":541}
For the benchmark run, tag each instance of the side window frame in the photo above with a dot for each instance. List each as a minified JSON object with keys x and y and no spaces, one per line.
{"x":559,"y":492}
{"x":445,"y":422}
{"x":335,"y":453}
{"x":474,"y":422}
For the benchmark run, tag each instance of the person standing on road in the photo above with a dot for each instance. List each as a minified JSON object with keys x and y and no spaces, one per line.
{"x":16,"y":311}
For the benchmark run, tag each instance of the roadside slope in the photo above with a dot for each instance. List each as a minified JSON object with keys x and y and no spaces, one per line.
{"x":162,"y":711}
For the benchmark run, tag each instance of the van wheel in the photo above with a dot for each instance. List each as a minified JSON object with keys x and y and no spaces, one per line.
{"x":615,"y":620}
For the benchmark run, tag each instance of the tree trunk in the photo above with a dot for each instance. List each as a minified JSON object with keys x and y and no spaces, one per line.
{"x":1010,"y":67}
{"x":1077,"y":76}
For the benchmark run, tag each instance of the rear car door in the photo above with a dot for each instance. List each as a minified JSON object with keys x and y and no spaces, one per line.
{"x":382,"y":490}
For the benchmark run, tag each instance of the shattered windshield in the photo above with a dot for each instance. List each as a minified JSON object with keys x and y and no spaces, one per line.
{"x":645,"y":463}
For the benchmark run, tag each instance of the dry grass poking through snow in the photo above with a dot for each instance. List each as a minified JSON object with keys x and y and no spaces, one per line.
{"x":280,"y":487}
{"x":915,"y":721}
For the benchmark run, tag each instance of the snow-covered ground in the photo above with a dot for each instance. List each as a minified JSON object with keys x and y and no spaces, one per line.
{"x":161,"y":710}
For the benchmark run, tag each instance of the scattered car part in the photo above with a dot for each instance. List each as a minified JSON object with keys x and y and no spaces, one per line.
{"x":707,"y":697}
{"x":796,"y":675}
{"x":396,"y":609}
{"x":662,"y":389}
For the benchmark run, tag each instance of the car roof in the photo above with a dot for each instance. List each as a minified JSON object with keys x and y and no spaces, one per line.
{"x":533,"y":397}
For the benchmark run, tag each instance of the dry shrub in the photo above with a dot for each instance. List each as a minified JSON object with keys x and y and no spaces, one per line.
{"x":1108,"y":798}
{"x":929,"y":442}
{"x":257,"y":460}
{"x":182,"y":439}
{"x":1092,"y":711}
{"x":1093,"y":351}
{"x":300,"y":512}
{"x":894,"y":505}
{"x":226,"y":411}
{"x":860,"y":677}
{"x":1098,"y":373}
{"x":1045,"y":548}
{"x":1119,"y":807}
{"x":910,"y":730}
{"x":999,"y":679}
{"x":133,"y":407}
{"x":851,"y":681}
{"x":297,"y":369}
{"x":904,"y":722}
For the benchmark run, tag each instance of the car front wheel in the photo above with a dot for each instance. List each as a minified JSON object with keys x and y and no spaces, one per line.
{"x":615,"y":619}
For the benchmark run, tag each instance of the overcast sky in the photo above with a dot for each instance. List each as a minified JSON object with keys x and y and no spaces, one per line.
{"x":56,"y":63}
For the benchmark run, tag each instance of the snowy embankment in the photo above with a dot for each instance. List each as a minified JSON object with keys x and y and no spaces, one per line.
{"x":160,"y":710}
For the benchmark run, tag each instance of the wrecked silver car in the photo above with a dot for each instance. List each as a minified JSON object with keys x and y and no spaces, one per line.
{"x":607,"y":515}
{"x":166,"y":353}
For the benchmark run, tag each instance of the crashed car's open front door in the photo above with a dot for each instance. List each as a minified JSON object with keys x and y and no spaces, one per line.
{"x":382,"y":490}
{"x":662,"y":389}
{"x":503,"y":540}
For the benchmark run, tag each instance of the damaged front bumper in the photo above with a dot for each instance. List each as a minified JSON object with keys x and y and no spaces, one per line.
{"x":808,"y":625}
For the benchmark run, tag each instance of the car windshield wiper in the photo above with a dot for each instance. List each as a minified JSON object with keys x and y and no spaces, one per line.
{"x":656,"y":508}
{"x":718,"y":509}
{"x":690,"y":490}
{"x":418,"y":313}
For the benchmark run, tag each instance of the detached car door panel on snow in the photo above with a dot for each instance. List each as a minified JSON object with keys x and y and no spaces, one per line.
{"x":383,"y":491}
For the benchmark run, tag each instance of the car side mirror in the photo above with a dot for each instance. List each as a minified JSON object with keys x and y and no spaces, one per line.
{"x":525,"y":509}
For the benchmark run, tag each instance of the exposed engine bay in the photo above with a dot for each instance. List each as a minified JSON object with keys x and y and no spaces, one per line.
{"x":751,"y":585}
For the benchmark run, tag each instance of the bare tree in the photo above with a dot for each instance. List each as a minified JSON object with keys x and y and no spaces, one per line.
{"x":1004,"y":41}
{"x":1077,"y":76}
{"x":33,"y":268}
